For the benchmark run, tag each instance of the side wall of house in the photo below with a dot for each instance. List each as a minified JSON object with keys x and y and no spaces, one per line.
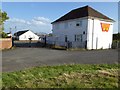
{"x":70,"y":29}
{"x":96,"y":38}
{"x":28,"y":35}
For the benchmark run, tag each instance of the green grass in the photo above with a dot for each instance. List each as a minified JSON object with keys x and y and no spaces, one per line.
{"x":64,"y":76}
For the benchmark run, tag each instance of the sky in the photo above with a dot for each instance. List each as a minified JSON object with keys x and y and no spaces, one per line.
{"x":37,"y":16}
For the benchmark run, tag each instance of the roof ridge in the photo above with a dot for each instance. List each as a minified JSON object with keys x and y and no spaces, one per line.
{"x":83,"y":12}
{"x":89,"y":12}
{"x":20,"y":32}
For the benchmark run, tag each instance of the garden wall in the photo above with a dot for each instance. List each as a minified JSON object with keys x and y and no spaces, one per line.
{"x":5,"y":43}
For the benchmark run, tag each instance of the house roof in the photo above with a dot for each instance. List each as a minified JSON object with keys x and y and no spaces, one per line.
{"x":83,"y":12}
{"x":20,"y":32}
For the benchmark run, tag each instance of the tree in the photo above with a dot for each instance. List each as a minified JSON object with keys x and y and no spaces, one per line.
{"x":3,"y":18}
{"x":116,"y":36}
{"x":50,"y":34}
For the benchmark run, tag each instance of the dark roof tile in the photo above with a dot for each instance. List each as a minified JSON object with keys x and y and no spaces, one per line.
{"x":20,"y":32}
{"x":82,"y":12}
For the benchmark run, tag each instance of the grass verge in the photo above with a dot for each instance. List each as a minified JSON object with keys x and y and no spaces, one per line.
{"x":64,"y":76}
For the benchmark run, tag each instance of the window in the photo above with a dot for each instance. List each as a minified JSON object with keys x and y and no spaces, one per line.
{"x":79,"y":23}
{"x":83,"y":32}
{"x":75,"y":37}
{"x":81,"y":39}
{"x":65,"y":38}
{"x":78,"y":38}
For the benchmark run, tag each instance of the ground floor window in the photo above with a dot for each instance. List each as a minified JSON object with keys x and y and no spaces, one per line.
{"x":78,"y":38}
{"x":66,"y":38}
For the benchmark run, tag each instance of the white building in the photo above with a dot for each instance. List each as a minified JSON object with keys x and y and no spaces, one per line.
{"x":25,"y":35}
{"x":84,"y":28}
{"x":9,"y":34}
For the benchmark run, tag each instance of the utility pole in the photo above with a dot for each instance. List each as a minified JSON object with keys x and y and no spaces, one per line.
{"x":10,"y":29}
{"x":16,"y":28}
{"x":16,"y":32}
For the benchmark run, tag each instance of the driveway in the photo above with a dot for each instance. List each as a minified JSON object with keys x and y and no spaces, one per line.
{"x":21,"y":58}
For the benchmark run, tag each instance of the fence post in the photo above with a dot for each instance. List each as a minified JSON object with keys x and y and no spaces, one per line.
{"x":30,"y":39}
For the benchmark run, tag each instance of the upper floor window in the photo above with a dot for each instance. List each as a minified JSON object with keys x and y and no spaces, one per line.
{"x":79,"y":23}
{"x":83,"y":32}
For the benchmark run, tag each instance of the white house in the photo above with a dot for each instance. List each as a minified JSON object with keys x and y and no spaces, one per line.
{"x":84,"y":28}
{"x":9,"y":34}
{"x":25,"y":35}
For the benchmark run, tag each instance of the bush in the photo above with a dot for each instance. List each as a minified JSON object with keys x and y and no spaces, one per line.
{"x":115,"y":44}
{"x":3,"y":35}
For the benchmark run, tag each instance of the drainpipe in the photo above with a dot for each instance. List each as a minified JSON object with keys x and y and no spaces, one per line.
{"x":96,"y":42}
{"x":92,"y":32}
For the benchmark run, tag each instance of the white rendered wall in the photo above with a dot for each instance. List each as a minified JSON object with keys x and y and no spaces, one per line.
{"x":28,"y":35}
{"x":60,"y":30}
{"x":96,"y":38}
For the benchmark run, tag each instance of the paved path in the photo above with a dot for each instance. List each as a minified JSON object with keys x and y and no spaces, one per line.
{"x":21,"y":58}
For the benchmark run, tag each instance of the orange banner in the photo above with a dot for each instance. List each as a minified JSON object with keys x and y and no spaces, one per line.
{"x":105,"y":27}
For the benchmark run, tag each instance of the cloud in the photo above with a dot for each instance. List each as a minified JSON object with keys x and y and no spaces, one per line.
{"x":37,"y":24}
{"x":44,"y":20}
{"x":17,"y":20}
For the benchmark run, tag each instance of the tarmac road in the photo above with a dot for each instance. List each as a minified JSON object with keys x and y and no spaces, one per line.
{"x":21,"y":58}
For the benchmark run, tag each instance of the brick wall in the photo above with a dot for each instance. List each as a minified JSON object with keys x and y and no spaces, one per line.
{"x":5,"y":43}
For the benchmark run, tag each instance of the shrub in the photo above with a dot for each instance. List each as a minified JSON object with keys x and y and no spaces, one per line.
{"x":3,"y":35}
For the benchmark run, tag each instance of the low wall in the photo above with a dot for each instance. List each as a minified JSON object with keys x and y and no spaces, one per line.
{"x":5,"y":43}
